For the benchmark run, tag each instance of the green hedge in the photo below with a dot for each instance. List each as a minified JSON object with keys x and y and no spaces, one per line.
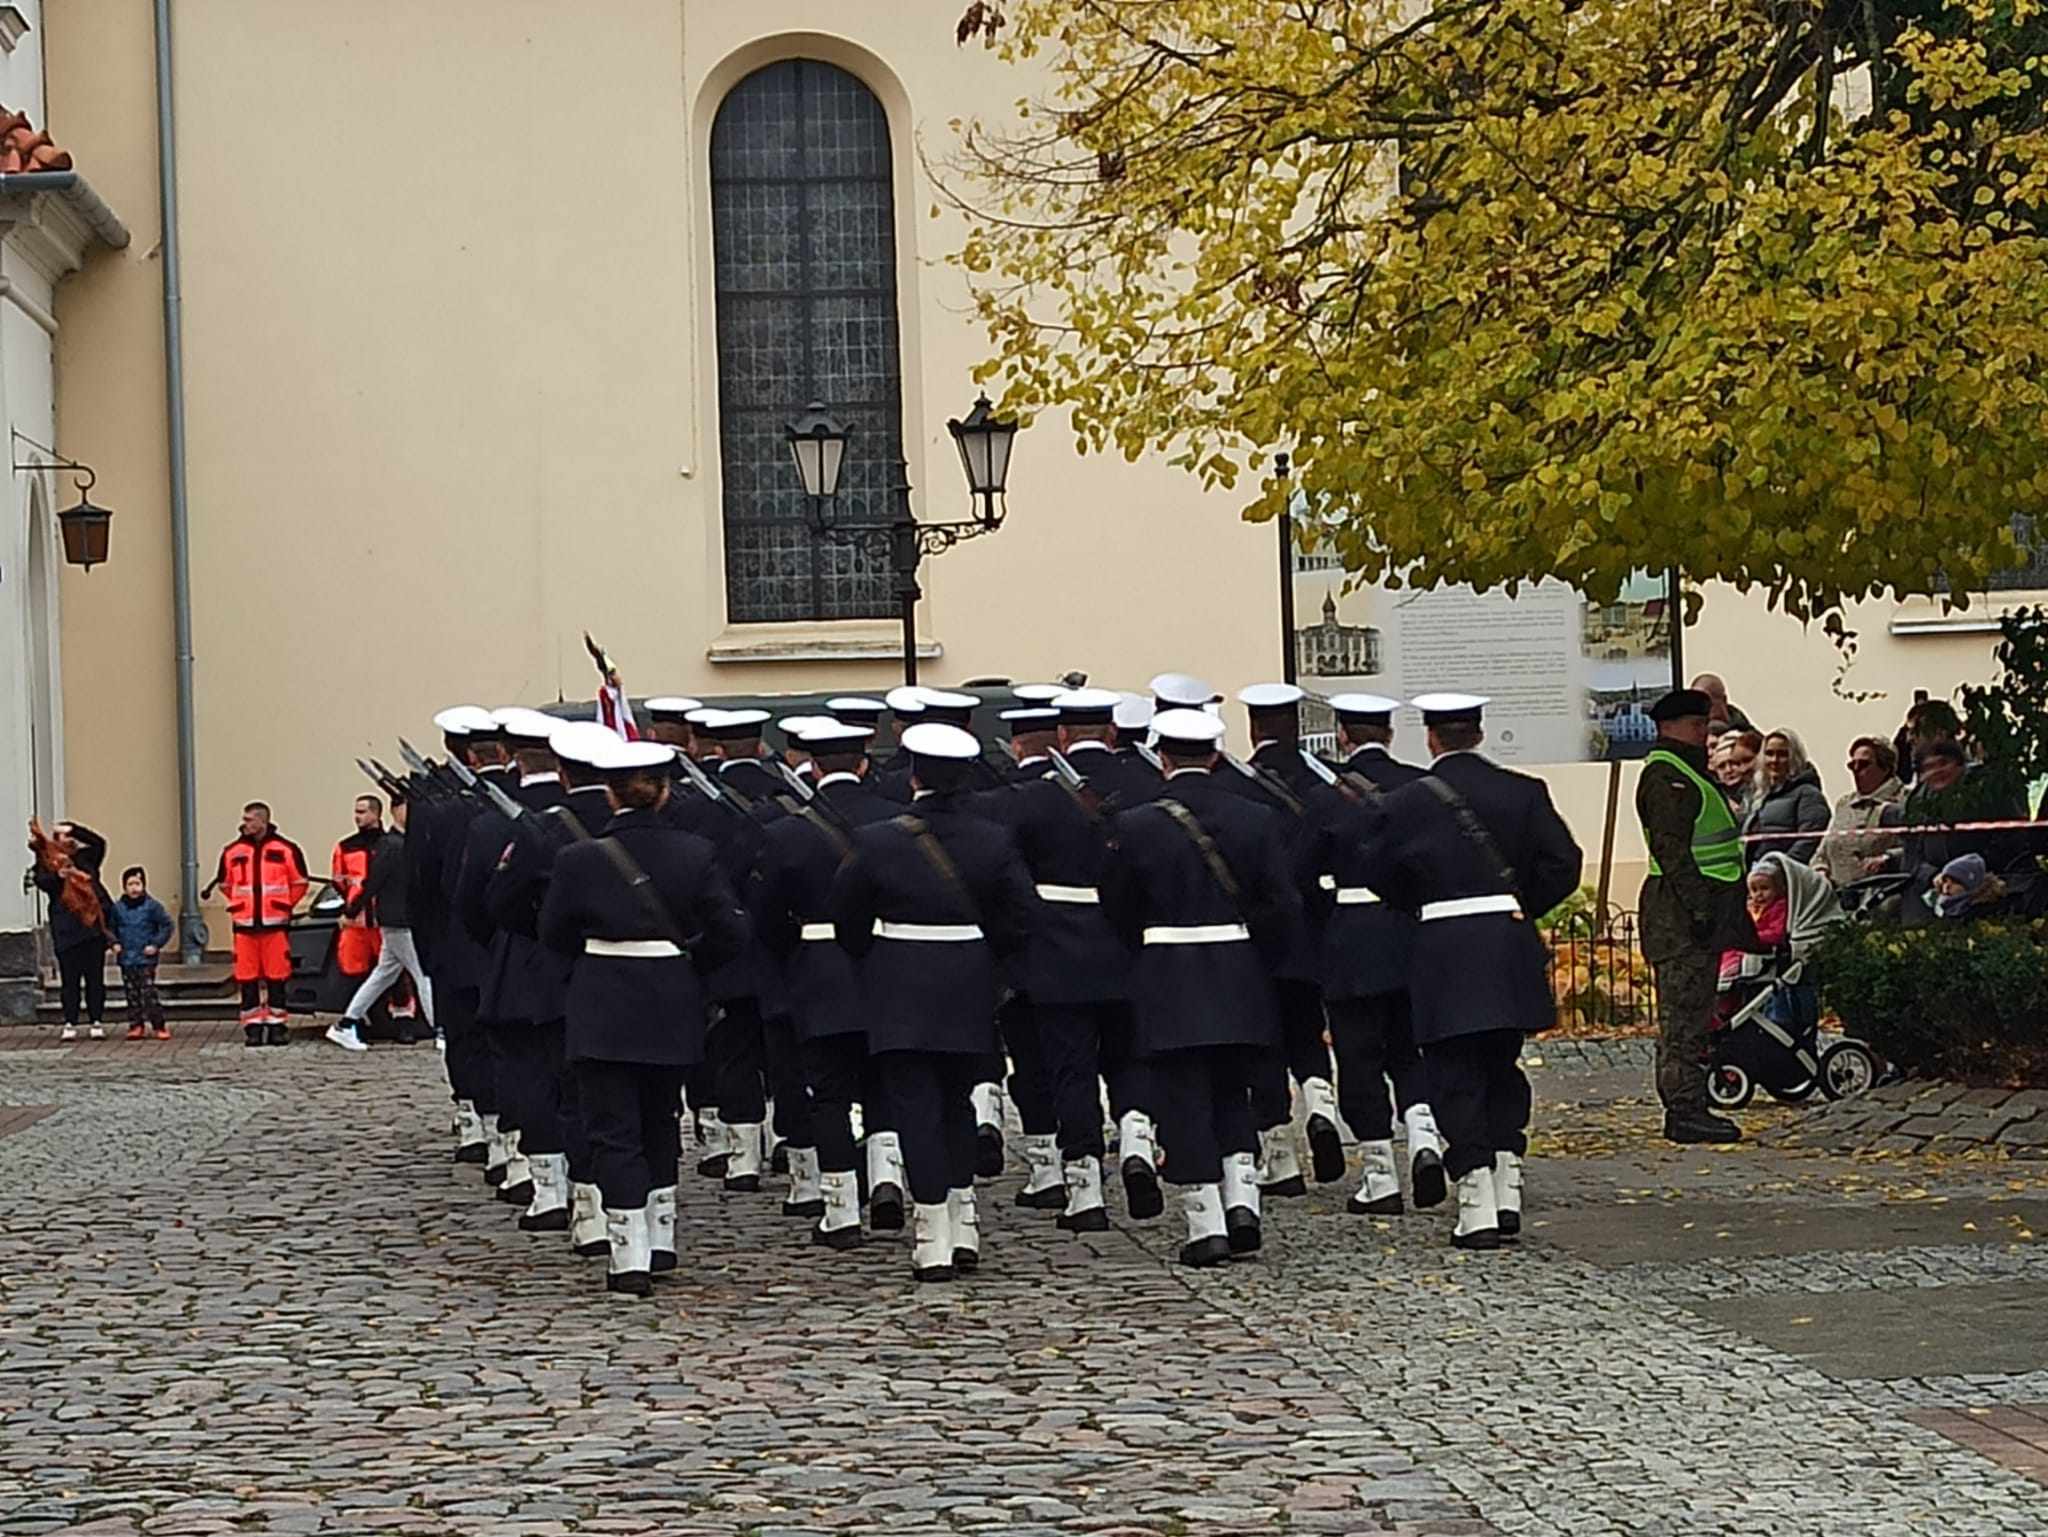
{"x":1966,"y":1001}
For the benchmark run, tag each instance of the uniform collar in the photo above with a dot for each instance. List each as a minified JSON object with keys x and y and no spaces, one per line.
{"x":1088,"y":744}
{"x":1177,"y":773}
{"x":842,"y":777}
{"x":1457,"y":752}
{"x":1034,"y":762}
{"x":539,"y":779}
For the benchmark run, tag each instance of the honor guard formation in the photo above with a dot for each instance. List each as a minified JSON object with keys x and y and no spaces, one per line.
{"x":835,"y":964}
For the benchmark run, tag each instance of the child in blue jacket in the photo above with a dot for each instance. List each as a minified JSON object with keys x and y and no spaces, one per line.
{"x":141,"y":929}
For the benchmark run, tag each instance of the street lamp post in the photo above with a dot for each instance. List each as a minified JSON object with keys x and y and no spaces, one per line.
{"x":817,"y":445}
{"x":84,"y":527}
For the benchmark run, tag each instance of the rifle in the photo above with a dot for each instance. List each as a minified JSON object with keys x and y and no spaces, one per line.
{"x":502,"y":803}
{"x":1270,"y":782}
{"x":796,"y":782}
{"x":710,"y":787}
{"x":429,"y":768}
{"x":1075,"y":783}
{"x":383,"y":781}
{"x":1150,"y":757}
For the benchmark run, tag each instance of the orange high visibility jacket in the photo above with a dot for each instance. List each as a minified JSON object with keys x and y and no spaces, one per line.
{"x":350,"y":867}
{"x":262,"y":880}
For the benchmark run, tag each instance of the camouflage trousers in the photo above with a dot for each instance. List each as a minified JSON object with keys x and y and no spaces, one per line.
{"x":1685,"y":1006}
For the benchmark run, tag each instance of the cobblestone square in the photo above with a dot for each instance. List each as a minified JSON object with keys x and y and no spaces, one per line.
{"x":249,"y":1292}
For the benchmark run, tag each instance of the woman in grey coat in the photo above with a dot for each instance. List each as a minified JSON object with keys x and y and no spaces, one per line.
{"x":1788,"y":800}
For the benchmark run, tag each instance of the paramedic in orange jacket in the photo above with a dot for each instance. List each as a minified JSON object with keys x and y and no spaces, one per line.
{"x":262,"y":874}
{"x":357,"y":945}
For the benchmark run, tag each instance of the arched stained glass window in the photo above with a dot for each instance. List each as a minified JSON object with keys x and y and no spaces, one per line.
{"x":804,"y":236}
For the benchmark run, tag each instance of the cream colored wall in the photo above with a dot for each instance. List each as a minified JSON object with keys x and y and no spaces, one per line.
{"x":452,"y":398}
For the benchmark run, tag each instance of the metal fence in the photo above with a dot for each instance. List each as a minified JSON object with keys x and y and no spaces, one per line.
{"x":1598,"y":974}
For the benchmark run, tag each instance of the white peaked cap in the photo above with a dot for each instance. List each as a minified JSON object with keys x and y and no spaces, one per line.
{"x":794,"y":725}
{"x":1178,"y":690}
{"x":826,"y":734}
{"x":1030,"y":712}
{"x":1363,"y":704}
{"x":947,"y":699}
{"x":702,"y":713}
{"x":674,"y":704}
{"x":461,"y":719}
{"x":935,"y":739}
{"x":1269,"y":696}
{"x":618,"y":756}
{"x":1133,"y":712}
{"x":1449,"y":704}
{"x":581,"y":741}
{"x":905,"y":699}
{"x":856,"y":704}
{"x":1196,"y":726}
{"x":1087,"y":699}
{"x":1039,"y":693}
{"x":527,"y":725}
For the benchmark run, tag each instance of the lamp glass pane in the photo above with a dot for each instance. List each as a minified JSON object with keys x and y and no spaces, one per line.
{"x":806,"y":452}
{"x":832,"y":457}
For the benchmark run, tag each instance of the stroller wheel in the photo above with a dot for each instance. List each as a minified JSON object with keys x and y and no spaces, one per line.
{"x":1799,"y":1093}
{"x":1847,"y":1068}
{"x":1728,"y":1086}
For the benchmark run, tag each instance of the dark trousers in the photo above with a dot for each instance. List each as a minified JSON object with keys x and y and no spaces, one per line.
{"x":82,"y":968}
{"x":732,"y":1051}
{"x":784,"y":1067}
{"x":1375,"y":1040}
{"x":1030,"y":1083}
{"x":1481,"y":1098}
{"x":533,"y":1085}
{"x":503,"y":1052}
{"x":697,"y":1087}
{"x":1125,"y":1074}
{"x":145,"y":1003}
{"x":930,"y":1097}
{"x":838,"y":1071}
{"x":629,"y":1114}
{"x":468,"y":1058}
{"x":1204,"y":1097}
{"x":1304,"y":1053}
{"x":1686,"y":985}
{"x":1076,"y":1038}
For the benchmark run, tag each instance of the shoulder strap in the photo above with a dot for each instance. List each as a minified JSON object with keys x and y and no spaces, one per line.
{"x":1362,"y":789}
{"x":642,"y":885}
{"x":1474,"y":831}
{"x":1276,"y":787}
{"x":842,"y":844}
{"x":569,"y":819}
{"x":936,"y":856}
{"x":1205,"y":845}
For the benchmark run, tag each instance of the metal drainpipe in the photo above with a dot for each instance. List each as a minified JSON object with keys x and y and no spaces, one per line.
{"x":191,"y":923}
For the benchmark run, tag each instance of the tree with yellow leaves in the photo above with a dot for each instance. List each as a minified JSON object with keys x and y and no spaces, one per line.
{"x":1573,"y":288}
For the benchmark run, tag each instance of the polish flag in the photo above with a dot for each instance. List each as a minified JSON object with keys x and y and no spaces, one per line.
{"x":615,"y":714}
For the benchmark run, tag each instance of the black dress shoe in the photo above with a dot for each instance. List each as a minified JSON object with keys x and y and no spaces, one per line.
{"x":966,"y":1261}
{"x":1286,"y":1188}
{"x":473,"y":1152}
{"x":556,"y":1221}
{"x":494,"y":1174}
{"x":1699,"y":1126}
{"x":1052,"y":1198}
{"x":885,"y":1209}
{"x":1094,"y":1220}
{"x":742,"y":1184}
{"x":631,"y":1283}
{"x":1142,"y":1194}
{"x":592,"y":1250}
{"x":712,"y":1165}
{"x":932,"y":1273}
{"x":1385,"y":1206}
{"x":1242,"y":1223}
{"x":804,"y":1208}
{"x":520,"y":1194}
{"x":661,"y":1261}
{"x":1510,"y":1225}
{"x":1204,"y":1252}
{"x":838,"y":1238}
{"x":1485,"y":1238}
{"x":988,"y":1153}
{"x":778,"y":1161}
{"x":1426,"y":1179}
{"x":1325,"y":1150}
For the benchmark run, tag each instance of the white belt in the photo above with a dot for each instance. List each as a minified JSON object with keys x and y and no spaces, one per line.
{"x":1085,"y":896}
{"x":633,"y":949}
{"x":941,"y":933}
{"x":1197,"y":934}
{"x":818,"y":931}
{"x":1469,"y":907}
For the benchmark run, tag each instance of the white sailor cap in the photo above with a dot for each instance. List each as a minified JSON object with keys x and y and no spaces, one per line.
{"x":828,"y":736}
{"x":947,"y":699}
{"x":622,"y":757}
{"x":906,"y":699}
{"x":1030,"y":718}
{"x":1372,"y":708}
{"x":730,"y":725}
{"x":701,"y":714}
{"x":1197,"y":729}
{"x":856,"y":707}
{"x":1133,"y":712}
{"x":1180,"y":691}
{"x":1088,"y":706}
{"x":581,"y":741}
{"x":1450,"y":709}
{"x":673,"y":707}
{"x":1039,"y":693}
{"x":1269,"y":696}
{"x":793,"y":725}
{"x":464,"y":720}
{"x":524,"y":725}
{"x":935,"y":739}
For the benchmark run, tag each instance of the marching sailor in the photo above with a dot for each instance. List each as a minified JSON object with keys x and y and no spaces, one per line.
{"x":929,"y":904}
{"x":645,"y":912}
{"x":792,"y":916}
{"x":1366,"y":944}
{"x":1134,"y":778}
{"x":1478,"y":852}
{"x":1197,"y":890}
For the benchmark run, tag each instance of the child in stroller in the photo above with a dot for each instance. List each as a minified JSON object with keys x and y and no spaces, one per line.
{"x":1767,"y":1024}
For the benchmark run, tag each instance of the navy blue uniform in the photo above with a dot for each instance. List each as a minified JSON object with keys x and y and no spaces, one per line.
{"x":435,"y":833}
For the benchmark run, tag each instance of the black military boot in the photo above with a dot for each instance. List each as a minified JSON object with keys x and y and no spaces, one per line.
{"x":1689,"y":1126}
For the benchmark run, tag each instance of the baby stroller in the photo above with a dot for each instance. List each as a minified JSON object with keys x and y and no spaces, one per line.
{"x":1767,"y":1030}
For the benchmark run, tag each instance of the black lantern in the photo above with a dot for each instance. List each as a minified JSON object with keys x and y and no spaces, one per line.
{"x":984,"y":441}
{"x":85,"y":532}
{"x":817,"y":442}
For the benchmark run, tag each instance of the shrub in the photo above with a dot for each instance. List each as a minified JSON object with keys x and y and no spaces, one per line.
{"x":1951,"y":1000}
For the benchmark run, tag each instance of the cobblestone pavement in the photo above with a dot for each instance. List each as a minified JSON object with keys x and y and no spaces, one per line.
{"x":247,"y":1292}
